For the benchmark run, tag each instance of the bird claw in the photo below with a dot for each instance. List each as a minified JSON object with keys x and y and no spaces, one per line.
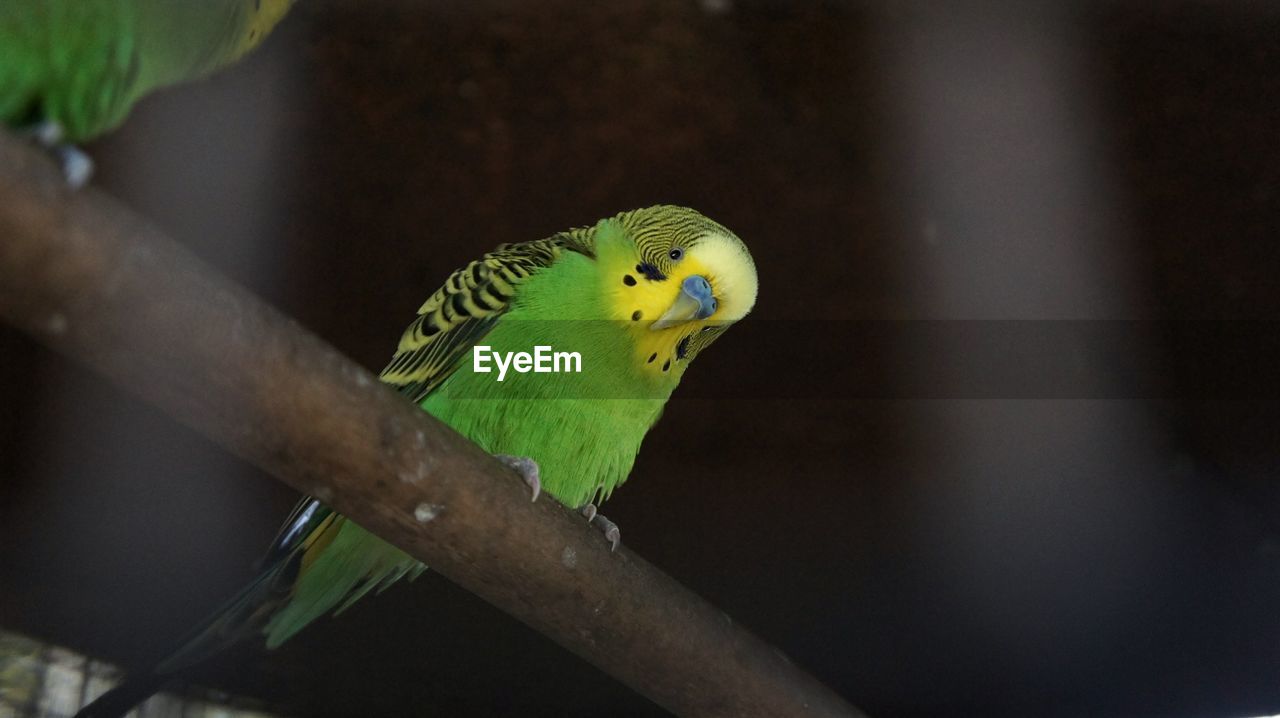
{"x":528,"y":470}
{"x":47,"y":133}
{"x":611,"y":532}
{"x":77,"y":167}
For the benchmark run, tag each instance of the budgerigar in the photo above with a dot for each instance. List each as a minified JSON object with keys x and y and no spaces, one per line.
{"x":637,"y":296}
{"x":72,"y":69}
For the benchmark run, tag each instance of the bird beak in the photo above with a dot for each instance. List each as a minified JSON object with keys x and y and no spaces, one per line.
{"x":695,"y":301}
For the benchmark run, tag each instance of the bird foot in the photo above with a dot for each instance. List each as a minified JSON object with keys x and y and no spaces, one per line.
{"x":46,"y":133}
{"x":528,"y":470}
{"x":77,"y":167}
{"x":611,"y":532}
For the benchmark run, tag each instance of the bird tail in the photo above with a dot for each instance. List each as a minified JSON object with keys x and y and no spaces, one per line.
{"x":121,"y":699}
{"x":307,"y":531}
{"x":244,"y":615}
{"x":239,"y":618}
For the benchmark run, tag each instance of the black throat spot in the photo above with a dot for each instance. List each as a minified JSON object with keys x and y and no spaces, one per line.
{"x":682,"y":348}
{"x":650,"y":272}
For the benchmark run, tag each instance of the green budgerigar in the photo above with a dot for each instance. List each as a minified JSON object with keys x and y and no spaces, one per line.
{"x":636,"y":297}
{"x":71,"y":70}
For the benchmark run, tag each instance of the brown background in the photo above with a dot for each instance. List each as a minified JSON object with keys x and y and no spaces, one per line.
{"x":922,"y":556}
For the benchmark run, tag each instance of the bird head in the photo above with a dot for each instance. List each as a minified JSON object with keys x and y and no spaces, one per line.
{"x":678,"y":279}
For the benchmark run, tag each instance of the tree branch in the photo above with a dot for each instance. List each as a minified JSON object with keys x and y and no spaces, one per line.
{"x":97,"y":283}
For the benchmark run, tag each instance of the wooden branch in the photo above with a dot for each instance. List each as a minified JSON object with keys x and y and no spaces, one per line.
{"x":96,"y":282}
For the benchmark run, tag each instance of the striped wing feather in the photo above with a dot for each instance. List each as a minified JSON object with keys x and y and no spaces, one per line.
{"x":461,"y":312}
{"x":457,"y":316}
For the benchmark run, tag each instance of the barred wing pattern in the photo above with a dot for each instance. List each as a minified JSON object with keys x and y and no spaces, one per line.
{"x":461,"y":312}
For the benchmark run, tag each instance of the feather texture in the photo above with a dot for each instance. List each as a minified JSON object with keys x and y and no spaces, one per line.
{"x":462,"y":311}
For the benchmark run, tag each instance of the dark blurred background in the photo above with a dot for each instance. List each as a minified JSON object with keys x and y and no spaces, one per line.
{"x":924,"y":555}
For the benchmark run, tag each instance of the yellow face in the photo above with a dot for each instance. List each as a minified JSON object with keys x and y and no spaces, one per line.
{"x":684,"y":280}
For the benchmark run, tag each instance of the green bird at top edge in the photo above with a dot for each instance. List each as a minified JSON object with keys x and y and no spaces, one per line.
{"x":71,"y":70}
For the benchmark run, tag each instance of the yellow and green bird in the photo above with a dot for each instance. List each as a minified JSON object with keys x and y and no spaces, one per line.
{"x":71,"y":70}
{"x":636,"y":296}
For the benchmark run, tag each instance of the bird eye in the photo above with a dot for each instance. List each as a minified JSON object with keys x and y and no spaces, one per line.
{"x":676,"y":253}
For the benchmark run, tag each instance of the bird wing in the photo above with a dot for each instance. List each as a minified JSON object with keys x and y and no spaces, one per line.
{"x":463,"y":311}
{"x":448,"y":324}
